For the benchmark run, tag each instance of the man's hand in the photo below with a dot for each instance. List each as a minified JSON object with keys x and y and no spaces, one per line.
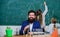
{"x":26,"y":28}
{"x":44,"y":3}
{"x":30,"y":33}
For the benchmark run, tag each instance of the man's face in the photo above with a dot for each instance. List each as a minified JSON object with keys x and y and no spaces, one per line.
{"x":31,"y":16}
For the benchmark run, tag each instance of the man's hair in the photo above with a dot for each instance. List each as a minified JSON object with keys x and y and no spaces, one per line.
{"x":32,"y":11}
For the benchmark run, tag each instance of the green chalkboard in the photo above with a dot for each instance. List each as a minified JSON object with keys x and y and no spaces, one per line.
{"x":14,"y":12}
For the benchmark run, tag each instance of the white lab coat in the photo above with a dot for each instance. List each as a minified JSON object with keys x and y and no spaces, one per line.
{"x":51,"y":27}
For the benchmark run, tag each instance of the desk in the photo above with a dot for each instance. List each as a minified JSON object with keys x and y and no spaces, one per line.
{"x":33,"y":36}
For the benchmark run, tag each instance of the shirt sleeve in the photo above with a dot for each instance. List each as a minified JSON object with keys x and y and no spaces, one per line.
{"x":22,"y":28}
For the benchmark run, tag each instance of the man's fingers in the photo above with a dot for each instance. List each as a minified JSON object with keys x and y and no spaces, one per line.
{"x":30,"y":33}
{"x":27,"y":27}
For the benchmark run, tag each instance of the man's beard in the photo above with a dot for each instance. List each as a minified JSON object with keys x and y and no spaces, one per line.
{"x":31,"y":20}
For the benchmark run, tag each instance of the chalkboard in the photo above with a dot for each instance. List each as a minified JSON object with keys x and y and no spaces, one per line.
{"x":14,"y":12}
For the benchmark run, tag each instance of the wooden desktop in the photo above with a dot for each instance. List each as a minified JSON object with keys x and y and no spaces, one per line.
{"x":33,"y":36}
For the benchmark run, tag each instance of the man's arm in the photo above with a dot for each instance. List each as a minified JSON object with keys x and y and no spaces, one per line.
{"x":24,"y":24}
{"x":46,"y":9}
{"x":21,"y":30}
{"x":26,"y":28}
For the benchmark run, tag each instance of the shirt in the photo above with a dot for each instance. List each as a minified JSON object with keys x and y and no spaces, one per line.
{"x":31,"y":25}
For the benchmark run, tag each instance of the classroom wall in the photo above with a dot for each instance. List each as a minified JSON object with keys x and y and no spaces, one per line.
{"x":14,"y":12}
